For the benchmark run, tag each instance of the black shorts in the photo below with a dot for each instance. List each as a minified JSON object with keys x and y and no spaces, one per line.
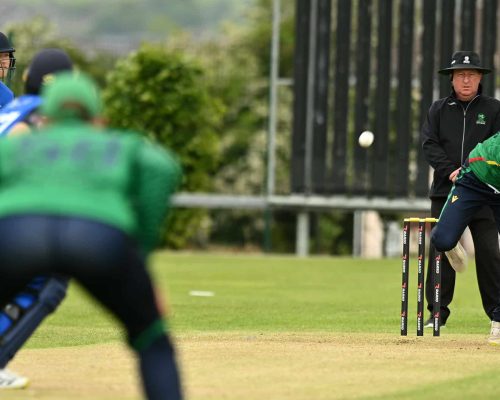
{"x":100,"y":257}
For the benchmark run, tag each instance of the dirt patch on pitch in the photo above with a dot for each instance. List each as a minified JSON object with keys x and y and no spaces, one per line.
{"x":263,"y":366}
{"x":97,"y":372}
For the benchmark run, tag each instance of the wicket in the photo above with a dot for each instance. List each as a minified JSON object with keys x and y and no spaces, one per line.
{"x":436,"y":273}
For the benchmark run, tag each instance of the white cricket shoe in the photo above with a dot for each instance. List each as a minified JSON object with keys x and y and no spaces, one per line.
{"x":10,"y":380}
{"x":457,"y":258}
{"x":494,"y":333}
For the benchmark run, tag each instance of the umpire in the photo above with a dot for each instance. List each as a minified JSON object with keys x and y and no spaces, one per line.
{"x":454,"y":126}
{"x":88,"y":203}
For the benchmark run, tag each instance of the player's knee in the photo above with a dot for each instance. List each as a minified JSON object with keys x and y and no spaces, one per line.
{"x":442,"y":240}
{"x":144,"y":340}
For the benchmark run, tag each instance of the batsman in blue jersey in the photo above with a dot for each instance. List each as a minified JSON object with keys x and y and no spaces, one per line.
{"x":24,"y":313}
{"x":7,"y":68}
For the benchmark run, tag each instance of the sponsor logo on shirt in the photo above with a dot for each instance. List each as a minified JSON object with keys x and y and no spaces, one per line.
{"x":481,"y":119}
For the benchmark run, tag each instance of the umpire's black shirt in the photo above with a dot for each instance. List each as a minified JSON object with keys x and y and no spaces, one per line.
{"x":451,"y":130}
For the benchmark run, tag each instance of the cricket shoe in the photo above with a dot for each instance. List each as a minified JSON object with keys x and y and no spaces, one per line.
{"x":457,"y":258}
{"x":10,"y":380}
{"x":494,"y":333}
{"x":429,"y":323}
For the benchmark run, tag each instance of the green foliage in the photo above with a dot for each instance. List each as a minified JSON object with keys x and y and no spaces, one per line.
{"x":238,"y":70}
{"x":236,"y":228}
{"x":238,"y":74}
{"x":332,"y":233}
{"x":259,"y":34}
{"x":232,"y":76}
{"x":162,"y":94}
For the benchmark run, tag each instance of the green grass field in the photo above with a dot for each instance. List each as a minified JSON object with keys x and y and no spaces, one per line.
{"x":288,"y":328}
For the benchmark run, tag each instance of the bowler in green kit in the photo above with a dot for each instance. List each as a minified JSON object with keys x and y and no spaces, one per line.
{"x":477,"y":185}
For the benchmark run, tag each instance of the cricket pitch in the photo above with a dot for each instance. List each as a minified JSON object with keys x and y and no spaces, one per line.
{"x":275,"y":366}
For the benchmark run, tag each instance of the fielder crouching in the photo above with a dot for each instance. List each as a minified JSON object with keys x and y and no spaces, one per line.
{"x":88,"y":203}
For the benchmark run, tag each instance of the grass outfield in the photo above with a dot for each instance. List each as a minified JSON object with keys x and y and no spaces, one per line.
{"x":276,"y":328}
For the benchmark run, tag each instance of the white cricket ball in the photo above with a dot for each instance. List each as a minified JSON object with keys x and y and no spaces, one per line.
{"x":366,"y":139}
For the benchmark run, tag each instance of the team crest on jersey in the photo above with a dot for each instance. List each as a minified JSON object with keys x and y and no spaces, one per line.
{"x":481,"y":119}
{"x":454,"y":198}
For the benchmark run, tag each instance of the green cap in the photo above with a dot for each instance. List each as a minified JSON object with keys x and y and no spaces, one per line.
{"x":70,"y":95}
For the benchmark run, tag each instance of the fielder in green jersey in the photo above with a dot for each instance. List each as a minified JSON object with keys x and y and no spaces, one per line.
{"x":88,"y":203}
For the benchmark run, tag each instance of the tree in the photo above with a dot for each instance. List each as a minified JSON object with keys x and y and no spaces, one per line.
{"x":237,"y":71}
{"x":162,"y":94}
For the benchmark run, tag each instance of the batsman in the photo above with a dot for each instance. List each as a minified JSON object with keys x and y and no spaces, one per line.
{"x":24,"y":312}
{"x":7,"y":68}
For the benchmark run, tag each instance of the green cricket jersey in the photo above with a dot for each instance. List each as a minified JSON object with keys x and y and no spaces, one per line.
{"x":73,"y":169}
{"x":484,"y":161}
